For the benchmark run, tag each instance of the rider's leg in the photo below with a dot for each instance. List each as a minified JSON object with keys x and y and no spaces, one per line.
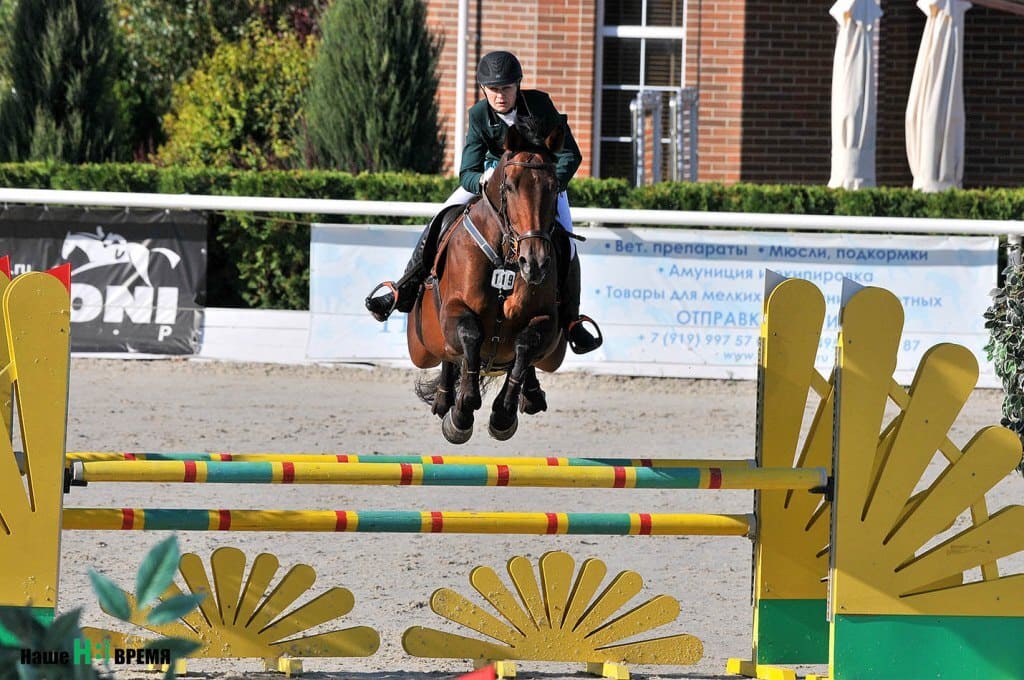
{"x":403,"y":295}
{"x":580,"y":339}
{"x":407,"y":287}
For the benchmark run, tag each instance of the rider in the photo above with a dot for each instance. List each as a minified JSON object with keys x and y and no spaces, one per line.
{"x":499,"y":75}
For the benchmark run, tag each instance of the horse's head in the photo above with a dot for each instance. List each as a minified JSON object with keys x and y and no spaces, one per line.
{"x":526,"y":193}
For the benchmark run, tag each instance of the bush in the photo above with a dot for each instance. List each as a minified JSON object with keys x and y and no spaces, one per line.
{"x":1004,"y":320}
{"x":242,"y":107}
{"x":161,"y":42}
{"x":61,"y":67}
{"x":372,"y":103}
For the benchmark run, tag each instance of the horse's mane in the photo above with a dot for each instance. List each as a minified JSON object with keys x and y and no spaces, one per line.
{"x":534,"y":130}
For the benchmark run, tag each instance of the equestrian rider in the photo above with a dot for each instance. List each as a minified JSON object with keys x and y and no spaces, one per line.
{"x":499,"y":75}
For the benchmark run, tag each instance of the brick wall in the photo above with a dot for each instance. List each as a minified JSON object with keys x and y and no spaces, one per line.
{"x":554,"y":40}
{"x":764,"y":73}
{"x":900,"y":31}
{"x":993,"y":98}
{"x":787,"y":92}
{"x":715,"y":66}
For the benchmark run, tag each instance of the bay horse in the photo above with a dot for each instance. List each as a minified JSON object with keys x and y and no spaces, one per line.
{"x":491,"y":302}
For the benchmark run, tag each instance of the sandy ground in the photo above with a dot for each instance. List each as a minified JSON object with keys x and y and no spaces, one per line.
{"x":199,"y":406}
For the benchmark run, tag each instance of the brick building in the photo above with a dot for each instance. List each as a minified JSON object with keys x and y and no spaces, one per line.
{"x":763,"y":73}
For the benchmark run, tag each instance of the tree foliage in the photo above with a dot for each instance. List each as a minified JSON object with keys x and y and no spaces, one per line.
{"x":6,"y":14}
{"x":162,"y":41}
{"x":242,"y":106}
{"x":61,"y":66}
{"x":372,"y":103}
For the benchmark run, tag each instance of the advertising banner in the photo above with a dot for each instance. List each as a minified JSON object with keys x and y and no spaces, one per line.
{"x":684,"y":303}
{"x":138,"y":278}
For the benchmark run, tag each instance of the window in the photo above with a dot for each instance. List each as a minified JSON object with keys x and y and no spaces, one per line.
{"x":642,"y":47}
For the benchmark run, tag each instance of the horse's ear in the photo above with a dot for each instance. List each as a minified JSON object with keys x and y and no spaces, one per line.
{"x":555,"y":140}
{"x":513,"y":140}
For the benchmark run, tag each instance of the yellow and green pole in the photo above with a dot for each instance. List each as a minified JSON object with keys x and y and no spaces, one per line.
{"x":416,"y":474}
{"x":401,"y":521}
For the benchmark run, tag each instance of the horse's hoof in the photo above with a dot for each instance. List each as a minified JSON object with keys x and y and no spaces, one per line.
{"x":532,"y":402}
{"x":452,"y":433}
{"x":503,"y":435}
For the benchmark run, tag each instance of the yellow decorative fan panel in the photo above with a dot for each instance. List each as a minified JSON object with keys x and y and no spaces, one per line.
{"x":897,"y":546}
{"x":239,"y":619}
{"x":560,"y":616}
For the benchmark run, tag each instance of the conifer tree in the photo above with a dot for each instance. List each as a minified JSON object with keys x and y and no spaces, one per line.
{"x":61,"y":70}
{"x":372,"y":102}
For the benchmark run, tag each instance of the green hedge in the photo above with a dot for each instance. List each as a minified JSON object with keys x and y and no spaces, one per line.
{"x":263,"y":260}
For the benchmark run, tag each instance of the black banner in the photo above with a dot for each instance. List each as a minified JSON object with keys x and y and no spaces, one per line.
{"x":138,"y":277}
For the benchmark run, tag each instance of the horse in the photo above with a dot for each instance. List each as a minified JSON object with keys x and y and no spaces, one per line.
{"x":491,"y":302}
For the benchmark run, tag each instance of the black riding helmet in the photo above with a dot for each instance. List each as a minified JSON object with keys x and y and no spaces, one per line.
{"x":499,"y":68}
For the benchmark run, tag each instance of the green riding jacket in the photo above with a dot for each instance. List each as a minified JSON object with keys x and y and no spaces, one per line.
{"x":485,"y":140}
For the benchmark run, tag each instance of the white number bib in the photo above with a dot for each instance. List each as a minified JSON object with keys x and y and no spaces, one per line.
{"x":503,"y":279}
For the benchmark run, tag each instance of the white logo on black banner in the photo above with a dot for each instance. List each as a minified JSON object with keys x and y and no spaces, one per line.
{"x":105,"y":250}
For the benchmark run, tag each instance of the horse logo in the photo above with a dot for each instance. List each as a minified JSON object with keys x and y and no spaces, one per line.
{"x":105,"y":250}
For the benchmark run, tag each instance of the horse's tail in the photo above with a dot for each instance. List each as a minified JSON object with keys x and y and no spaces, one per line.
{"x":427,"y":383}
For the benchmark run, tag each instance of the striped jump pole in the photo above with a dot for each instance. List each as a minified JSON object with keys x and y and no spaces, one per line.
{"x":414,"y":474}
{"x":554,"y":461}
{"x":399,"y":521}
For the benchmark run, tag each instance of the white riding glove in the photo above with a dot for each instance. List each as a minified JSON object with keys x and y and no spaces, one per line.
{"x":485,"y":177}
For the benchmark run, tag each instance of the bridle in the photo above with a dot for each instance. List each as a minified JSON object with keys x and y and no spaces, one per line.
{"x":510,"y":238}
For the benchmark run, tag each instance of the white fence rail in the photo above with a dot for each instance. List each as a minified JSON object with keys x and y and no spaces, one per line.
{"x":595,"y":216}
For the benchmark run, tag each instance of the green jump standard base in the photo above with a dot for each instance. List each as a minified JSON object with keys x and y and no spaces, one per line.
{"x":792,"y":632}
{"x":955,"y":647}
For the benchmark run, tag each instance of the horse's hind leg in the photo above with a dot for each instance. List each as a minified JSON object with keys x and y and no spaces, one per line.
{"x":504,"y":419}
{"x":533,"y":400}
{"x":458,"y":423}
{"x":503,"y":422}
{"x":444,"y":394}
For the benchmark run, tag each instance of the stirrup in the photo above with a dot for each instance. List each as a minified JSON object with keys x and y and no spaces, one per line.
{"x":370,"y":299}
{"x":582,"y":347}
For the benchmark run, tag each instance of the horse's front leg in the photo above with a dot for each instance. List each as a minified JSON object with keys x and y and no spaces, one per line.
{"x":458,"y":424}
{"x":529,"y":343}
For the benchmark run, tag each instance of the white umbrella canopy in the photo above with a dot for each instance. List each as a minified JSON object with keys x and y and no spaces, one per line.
{"x":935,"y":108}
{"x":854,"y":105}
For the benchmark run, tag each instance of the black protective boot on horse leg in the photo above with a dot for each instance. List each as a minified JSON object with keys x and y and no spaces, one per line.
{"x":580,"y":339}
{"x":402,"y":295}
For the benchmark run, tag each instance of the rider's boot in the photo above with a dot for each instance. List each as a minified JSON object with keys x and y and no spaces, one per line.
{"x":401,"y":295}
{"x":580,"y":339}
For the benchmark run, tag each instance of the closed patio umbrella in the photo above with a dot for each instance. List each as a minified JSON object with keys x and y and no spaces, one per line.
{"x":935,"y":108}
{"x":854,"y":106}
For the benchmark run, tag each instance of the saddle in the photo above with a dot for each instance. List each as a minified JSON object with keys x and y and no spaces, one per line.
{"x":437,"y":245}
